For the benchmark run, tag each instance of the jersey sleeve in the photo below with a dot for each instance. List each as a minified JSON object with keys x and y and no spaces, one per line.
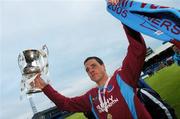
{"x":76,"y":104}
{"x":134,"y":60}
{"x":176,"y":43}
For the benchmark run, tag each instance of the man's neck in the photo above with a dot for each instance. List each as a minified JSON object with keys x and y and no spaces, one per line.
{"x":103,"y":81}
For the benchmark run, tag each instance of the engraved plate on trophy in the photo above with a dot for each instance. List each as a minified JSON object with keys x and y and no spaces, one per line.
{"x":31,"y":62}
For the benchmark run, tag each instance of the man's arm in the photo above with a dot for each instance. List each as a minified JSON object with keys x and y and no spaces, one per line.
{"x":76,"y":104}
{"x":134,"y":60}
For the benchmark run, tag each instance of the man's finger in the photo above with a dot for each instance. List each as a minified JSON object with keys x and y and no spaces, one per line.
{"x":37,"y":77}
{"x":32,"y":84}
{"x":114,"y":2}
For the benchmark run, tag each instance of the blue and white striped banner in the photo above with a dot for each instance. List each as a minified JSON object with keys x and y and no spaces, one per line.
{"x":156,"y":21}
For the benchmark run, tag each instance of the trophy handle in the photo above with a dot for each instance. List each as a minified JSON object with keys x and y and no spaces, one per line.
{"x":20,"y":61}
{"x":45,"y":49}
{"x":45,"y":52}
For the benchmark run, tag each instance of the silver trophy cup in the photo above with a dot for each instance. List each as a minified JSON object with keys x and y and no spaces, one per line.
{"x":31,"y":62}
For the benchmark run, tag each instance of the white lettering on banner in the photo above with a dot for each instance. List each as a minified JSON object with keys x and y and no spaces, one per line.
{"x":158,"y":32}
{"x":109,"y":103}
{"x":119,"y":10}
{"x":163,"y":23}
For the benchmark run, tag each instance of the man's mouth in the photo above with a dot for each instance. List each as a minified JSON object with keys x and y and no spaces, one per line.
{"x":93,"y":75}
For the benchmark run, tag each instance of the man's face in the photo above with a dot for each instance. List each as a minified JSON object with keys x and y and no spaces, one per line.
{"x":95,"y":71}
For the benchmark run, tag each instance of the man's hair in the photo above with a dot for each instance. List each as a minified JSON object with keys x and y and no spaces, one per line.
{"x":96,"y":58}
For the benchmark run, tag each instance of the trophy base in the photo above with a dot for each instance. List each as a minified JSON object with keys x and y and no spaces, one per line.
{"x":34,"y":91}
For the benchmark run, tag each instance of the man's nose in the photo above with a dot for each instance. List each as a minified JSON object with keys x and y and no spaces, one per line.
{"x":91,"y":71}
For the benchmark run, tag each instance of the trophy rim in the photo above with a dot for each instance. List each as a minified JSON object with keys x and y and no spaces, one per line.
{"x":30,"y":50}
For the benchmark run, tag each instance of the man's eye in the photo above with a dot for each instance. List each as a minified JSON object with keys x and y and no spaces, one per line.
{"x":93,"y":66}
{"x":87,"y":70}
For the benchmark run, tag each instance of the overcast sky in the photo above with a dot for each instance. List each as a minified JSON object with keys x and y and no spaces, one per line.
{"x":72,"y":30}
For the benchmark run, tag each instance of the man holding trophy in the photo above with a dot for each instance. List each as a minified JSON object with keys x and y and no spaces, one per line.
{"x":109,"y":100}
{"x":114,"y":97}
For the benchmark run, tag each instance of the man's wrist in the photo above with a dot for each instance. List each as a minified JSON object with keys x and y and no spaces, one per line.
{"x":44,"y":88}
{"x":43,"y":85}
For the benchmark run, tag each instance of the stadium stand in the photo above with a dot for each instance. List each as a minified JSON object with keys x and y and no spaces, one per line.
{"x":156,"y":60}
{"x":51,"y":113}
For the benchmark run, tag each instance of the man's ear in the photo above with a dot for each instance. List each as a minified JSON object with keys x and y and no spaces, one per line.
{"x":104,"y":67}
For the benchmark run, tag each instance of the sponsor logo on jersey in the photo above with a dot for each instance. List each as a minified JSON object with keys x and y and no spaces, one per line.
{"x":109,"y":103}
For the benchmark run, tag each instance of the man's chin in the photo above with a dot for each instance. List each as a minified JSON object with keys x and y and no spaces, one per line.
{"x":94,"y":79}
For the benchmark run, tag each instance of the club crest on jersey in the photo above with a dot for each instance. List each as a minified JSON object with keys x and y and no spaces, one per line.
{"x":110,"y":88}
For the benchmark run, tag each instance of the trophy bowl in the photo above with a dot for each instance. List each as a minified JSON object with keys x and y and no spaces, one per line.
{"x":30,"y":57}
{"x":31,"y":62}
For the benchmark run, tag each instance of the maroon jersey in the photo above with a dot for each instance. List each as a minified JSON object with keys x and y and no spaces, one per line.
{"x":117,"y":99}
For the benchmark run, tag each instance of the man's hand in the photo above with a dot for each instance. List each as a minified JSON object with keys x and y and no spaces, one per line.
{"x":176,"y":50}
{"x":114,"y":2}
{"x":38,"y":82}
